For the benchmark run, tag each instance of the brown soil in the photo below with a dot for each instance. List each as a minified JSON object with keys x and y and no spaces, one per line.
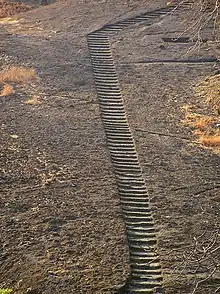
{"x":60,"y":219}
{"x":183,"y":179}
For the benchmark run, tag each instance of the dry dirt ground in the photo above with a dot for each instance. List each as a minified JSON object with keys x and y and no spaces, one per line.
{"x":61,"y":223}
{"x":183,"y":178}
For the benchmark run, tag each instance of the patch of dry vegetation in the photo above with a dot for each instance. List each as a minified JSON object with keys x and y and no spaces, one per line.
{"x":7,"y":90}
{"x":210,"y":90}
{"x":15,"y":75}
{"x":197,"y":269}
{"x":35,"y":100}
{"x":201,"y":14}
{"x":211,"y":140}
{"x":10,"y":8}
{"x":206,"y":128}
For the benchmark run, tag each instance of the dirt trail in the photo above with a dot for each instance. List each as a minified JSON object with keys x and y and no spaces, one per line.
{"x":61,"y":221}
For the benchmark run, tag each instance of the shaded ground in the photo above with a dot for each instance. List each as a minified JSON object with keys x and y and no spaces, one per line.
{"x":61,"y":223}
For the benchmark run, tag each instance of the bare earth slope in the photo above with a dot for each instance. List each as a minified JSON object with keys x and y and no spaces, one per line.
{"x":61,"y":224}
{"x":158,"y":82}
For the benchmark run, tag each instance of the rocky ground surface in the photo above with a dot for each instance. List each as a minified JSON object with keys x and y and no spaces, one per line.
{"x":158,"y":82}
{"x":61,"y":224}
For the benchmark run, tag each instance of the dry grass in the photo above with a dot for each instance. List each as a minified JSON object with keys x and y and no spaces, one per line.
{"x":206,"y":128}
{"x":35,"y":100}
{"x":199,"y":121}
{"x":210,"y":90}
{"x":7,"y":90}
{"x":211,"y":140}
{"x":17,"y":74}
{"x":10,"y":8}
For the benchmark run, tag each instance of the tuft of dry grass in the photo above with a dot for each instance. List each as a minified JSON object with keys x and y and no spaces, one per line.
{"x":17,"y":74}
{"x":206,"y":127}
{"x":7,"y":90}
{"x":211,"y":140}
{"x":9,"y":8}
{"x":210,"y":90}
{"x":33,"y":101}
{"x":199,"y":121}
